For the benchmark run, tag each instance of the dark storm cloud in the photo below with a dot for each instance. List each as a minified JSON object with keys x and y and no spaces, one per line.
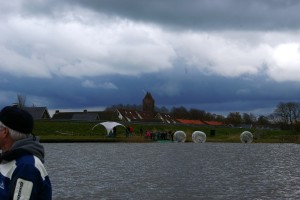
{"x":213,"y":94}
{"x":197,"y":14}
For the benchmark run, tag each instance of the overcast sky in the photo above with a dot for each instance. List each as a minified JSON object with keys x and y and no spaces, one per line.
{"x":218,"y":56}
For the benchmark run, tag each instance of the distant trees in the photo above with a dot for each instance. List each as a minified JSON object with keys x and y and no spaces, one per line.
{"x":180,"y":112}
{"x":195,"y":114}
{"x":262,"y":121}
{"x":162,"y":109}
{"x":198,"y":114}
{"x":248,"y":118}
{"x":234,"y":118}
{"x":287,"y":115}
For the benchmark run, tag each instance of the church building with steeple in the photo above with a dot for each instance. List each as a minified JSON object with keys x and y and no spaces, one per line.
{"x":149,"y":104}
{"x":146,"y":114}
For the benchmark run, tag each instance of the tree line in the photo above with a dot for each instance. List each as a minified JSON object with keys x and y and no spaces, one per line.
{"x":285,"y":115}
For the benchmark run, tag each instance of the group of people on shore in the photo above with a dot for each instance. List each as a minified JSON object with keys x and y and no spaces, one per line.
{"x":159,"y":135}
{"x":151,"y":135}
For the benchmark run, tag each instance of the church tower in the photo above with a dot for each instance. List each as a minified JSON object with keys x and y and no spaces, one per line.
{"x":148,"y":104}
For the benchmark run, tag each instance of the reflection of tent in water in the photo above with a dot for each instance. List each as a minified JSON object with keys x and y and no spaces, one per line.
{"x":109,"y":126}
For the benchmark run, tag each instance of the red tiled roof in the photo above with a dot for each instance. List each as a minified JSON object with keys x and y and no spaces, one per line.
{"x":214,"y":123}
{"x":200,"y":122}
{"x":191,"y":121}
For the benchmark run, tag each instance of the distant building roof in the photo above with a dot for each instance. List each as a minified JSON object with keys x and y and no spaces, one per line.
{"x":63,"y":115}
{"x":142,"y":116}
{"x":130,"y":115}
{"x":38,"y":112}
{"x":166,"y":118}
{"x":191,"y":121}
{"x":200,"y":122}
{"x":214,"y":123}
{"x":84,"y":116}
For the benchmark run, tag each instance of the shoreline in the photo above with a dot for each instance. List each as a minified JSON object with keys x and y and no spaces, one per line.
{"x":82,"y":132}
{"x":133,"y":140}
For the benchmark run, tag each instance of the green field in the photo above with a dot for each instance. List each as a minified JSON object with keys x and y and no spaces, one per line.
{"x":74,"y":131}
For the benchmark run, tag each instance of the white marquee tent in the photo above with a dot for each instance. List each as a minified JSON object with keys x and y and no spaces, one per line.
{"x":109,"y":126}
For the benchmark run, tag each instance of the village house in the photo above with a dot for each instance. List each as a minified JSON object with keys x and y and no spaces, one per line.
{"x":147,"y":114}
{"x":38,"y":113}
{"x":200,"y":122}
{"x":84,"y":116}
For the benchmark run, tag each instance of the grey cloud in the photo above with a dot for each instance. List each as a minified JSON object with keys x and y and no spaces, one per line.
{"x":191,"y":14}
{"x":105,"y":85}
{"x":202,"y":14}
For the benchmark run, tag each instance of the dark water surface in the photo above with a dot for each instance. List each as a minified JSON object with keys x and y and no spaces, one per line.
{"x":174,"y":171}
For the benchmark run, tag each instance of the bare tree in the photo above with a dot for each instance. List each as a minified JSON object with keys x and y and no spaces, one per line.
{"x":248,"y":118}
{"x":288,"y":113}
{"x":180,"y":112}
{"x":234,"y":118}
{"x":21,"y":101}
{"x":262,"y":120}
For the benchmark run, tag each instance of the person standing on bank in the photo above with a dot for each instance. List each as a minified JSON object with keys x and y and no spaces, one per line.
{"x":22,"y":172}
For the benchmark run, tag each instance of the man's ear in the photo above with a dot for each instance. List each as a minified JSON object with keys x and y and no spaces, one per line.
{"x":5,"y":131}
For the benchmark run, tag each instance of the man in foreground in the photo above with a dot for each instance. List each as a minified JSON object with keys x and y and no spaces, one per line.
{"x":22,"y":173}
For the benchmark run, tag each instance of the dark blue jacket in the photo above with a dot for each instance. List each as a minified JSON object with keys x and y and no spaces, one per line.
{"x":22,"y":172}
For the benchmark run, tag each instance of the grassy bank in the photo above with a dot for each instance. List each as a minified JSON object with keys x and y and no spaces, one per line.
{"x":72,"y":131}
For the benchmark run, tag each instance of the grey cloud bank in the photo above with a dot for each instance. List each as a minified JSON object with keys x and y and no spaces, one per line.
{"x":219,"y":56}
{"x":203,"y":14}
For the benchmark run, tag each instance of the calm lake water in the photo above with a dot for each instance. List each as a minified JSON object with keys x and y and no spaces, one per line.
{"x":174,"y":171}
